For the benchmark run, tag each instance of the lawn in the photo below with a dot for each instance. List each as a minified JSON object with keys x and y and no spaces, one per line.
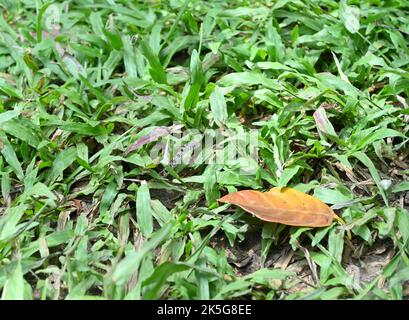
{"x":123,"y":122}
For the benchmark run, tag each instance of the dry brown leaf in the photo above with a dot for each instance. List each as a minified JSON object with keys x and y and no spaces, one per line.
{"x":283,"y":205}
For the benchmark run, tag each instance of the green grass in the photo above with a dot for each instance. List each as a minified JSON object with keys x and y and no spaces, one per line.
{"x":324,"y":83}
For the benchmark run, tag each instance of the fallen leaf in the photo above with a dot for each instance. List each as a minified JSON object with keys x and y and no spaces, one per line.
{"x":283,"y":205}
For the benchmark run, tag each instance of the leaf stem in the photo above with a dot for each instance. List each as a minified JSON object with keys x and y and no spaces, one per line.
{"x":343,"y":223}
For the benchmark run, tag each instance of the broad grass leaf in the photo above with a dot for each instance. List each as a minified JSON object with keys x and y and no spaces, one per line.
{"x":82,"y":225}
{"x":39,"y":25}
{"x":319,"y":235}
{"x":218,"y":106}
{"x":8,"y":115}
{"x":9,"y":222}
{"x":264,"y":276}
{"x":30,"y":62}
{"x":156,"y":69}
{"x":5,"y":186}
{"x":295,"y":234}
{"x":196,"y":71}
{"x":106,"y":201}
{"x":370,"y":59}
{"x":74,"y":67}
{"x":385,"y":227}
{"x":83,"y":128}
{"x":403,"y":224}
{"x":114,"y":38}
{"x":132,"y":261}
{"x":160,"y":212}
{"x":39,"y":190}
{"x":239,"y":286}
{"x":329,"y":81}
{"x":287,"y":175}
{"x":400,"y":187}
{"x":372,"y":170}
{"x":340,"y":72}
{"x":129,"y":57}
{"x":283,"y":205}
{"x":275,"y":46}
{"x":21,"y":129}
{"x":196,"y":80}
{"x":210,"y":185}
{"x":96,"y":23}
{"x":93,"y":89}
{"x":247,"y":78}
{"x":332,"y":196}
{"x":144,"y":210}
{"x":10,"y":91}
{"x":8,"y":153}
{"x":378,"y":134}
{"x":152,"y":286}
{"x":14,"y":286}
{"x":111,"y":63}
{"x":63,"y":160}
{"x":336,"y":243}
{"x":350,"y":17}
{"x":396,"y":283}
